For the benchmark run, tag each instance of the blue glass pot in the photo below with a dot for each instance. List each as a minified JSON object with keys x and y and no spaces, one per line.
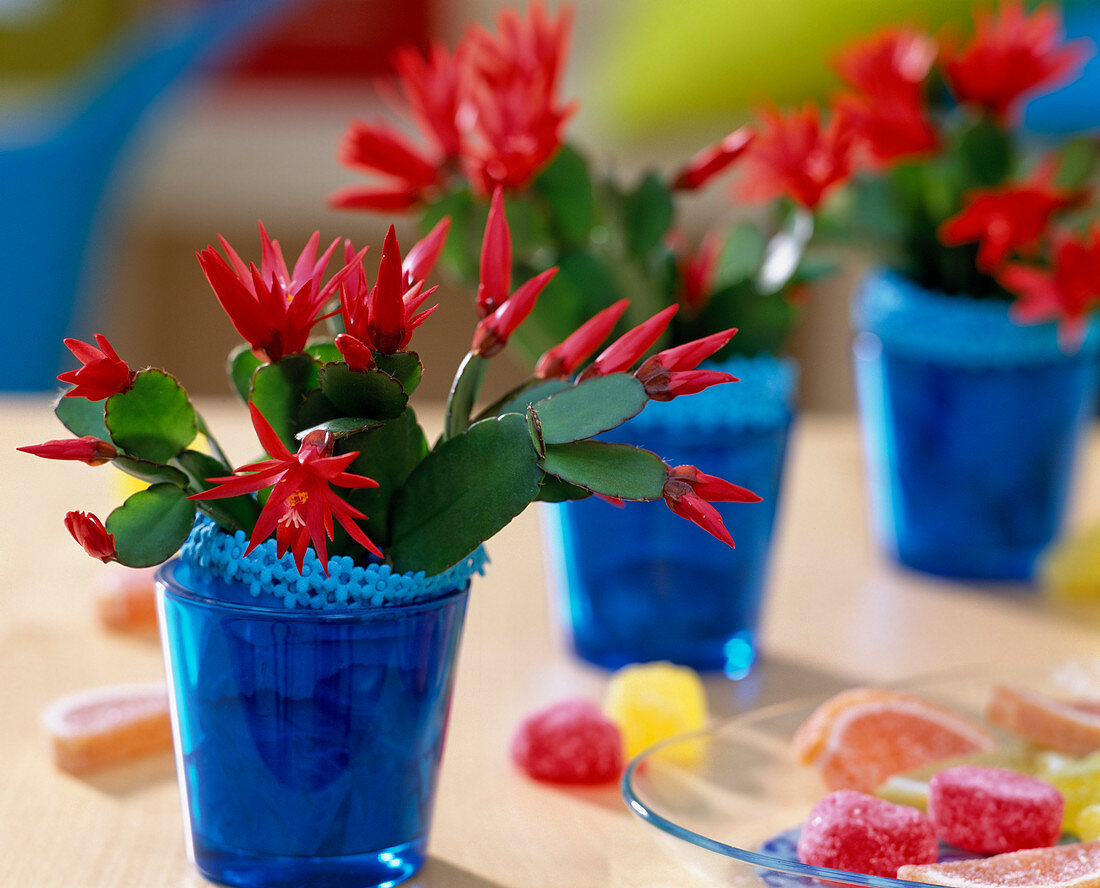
{"x":971,"y":428}
{"x":639,"y":583}
{"x":308,"y":730}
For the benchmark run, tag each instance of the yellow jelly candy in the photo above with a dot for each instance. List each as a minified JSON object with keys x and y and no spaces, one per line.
{"x":1077,"y":779}
{"x":1069,"y":571}
{"x":1088,"y":823}
{"x":652,"y":702}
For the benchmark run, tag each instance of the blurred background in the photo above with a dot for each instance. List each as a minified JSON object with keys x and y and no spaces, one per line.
{"x":131,"y":133}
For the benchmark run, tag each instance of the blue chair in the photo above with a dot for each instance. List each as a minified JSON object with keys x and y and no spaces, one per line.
{"x":57,"y":158}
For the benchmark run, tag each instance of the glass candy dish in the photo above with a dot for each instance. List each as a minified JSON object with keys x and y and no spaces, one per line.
{"x":727,"y":802}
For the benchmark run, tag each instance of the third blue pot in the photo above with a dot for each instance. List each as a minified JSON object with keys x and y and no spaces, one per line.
{"x":971,"y":425}
{"x":638,"y":583}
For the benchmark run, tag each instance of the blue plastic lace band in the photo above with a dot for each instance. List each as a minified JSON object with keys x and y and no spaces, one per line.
{"x":917,"y":323}
{"x":763,"y":398}
{"x":211,"y":552}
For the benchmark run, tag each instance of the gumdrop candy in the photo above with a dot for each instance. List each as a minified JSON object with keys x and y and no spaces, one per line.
{"x":651,"y":702}
{"x":1063,"y":866}
{"x":853,"y":831}
{"x":992,"y":810}
{"x":569,"y":742}
{"x":1087,"y":823}
{"x":1078,"y":780}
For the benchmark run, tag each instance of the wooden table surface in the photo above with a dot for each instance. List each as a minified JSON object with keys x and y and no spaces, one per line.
{"x":836,"y":613}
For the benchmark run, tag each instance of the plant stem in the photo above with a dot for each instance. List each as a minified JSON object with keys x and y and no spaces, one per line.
{"x":204,"y":429}
{"x":464,"y":391}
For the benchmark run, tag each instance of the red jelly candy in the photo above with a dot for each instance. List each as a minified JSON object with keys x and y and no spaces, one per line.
{"x":853,"y":831}
{"x":991,"y":810}
{"x":569,"y":742}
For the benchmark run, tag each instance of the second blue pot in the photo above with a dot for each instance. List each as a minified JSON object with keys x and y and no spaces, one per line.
{"x":639,"y":584}
{"x":971,"y":424}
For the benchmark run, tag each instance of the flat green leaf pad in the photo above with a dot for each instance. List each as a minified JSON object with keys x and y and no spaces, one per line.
{"x":618,"y":470}
{"x":153,"y":420}
{"x":242,"y":366}
{"x":82,"y":417}
{"x":150,"y":472}
{"x":279,"y":389}
{"x":151,"y":525}
{"x":371,"y":393}
{"x":462,"y":493}
{"x":405,"y":367}
{"x":594,"y":406}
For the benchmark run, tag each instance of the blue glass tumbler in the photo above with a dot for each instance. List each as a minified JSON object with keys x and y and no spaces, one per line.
{"x":639,"y":583}
{"x":971,"y":427}
{"x":308,"y":741}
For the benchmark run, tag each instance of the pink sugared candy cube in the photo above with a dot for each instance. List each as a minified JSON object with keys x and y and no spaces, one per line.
{"x":991,"y":810}
{"x":569,"y":742}
{"x":857,"y":832}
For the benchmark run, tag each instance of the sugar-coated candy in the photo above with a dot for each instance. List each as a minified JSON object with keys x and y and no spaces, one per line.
{"x":1069,"y":726}
{"x":1087,"y":823}
{"x":993,"y":810}
{"x":651,"y":702}
{"x":108,"y":726}
{"x":1063,"y":866}
{"x":1078,"y":780}
{"x":569,"y":742}
{"x":853,"y":831}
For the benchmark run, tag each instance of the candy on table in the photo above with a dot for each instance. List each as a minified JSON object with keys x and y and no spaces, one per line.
{"x":1087,"y":823}
{"x":1063,"y":866}
{"x":126,"y":599}
{"x":993,"y":810}
{"x":857,"y":832}
{"x":1077,"y":779}
{"x":569,"y":742}
{"x":1069,"y":570}
{"x":107,"y":726}
{"x":860,"y":737}
{"x":1067,"y":726}
{"x":651,"y":702}
{"x":911,"y":787}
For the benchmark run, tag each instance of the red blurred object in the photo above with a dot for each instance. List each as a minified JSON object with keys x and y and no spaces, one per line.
{"x":336,"y":39}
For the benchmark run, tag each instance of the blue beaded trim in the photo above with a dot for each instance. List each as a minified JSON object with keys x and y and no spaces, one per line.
{"x":764,"y":398}
{"x":211,"y":552}
{"x":959,"y":330}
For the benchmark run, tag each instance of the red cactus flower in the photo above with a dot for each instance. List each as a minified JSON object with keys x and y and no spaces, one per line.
{"x":103,"y":372}
{"x":421,"y":259}
{"x":563,"y":359}
{"x":89,"y":531}
{"x":689,"y":493}
{"x":493,"y":332}
{"x":377,"y":148}
{"x":273,"y":309}
{"x":1010,"y":218}
{"x":625,"y":351}
{"x":712,"y":160}
{"x":514,"y":86}
{"x":382,"y":317}
{"x":672,"y":372}
{"x":888,"y":112}
{"x":793,"y":156}
{"x":87,"y":449}
{"x":356,"y":353}
{"x":697,"y":271}
{"x":495,"y":271}
{"x":1011,"y":55}
{"x":1066,"y":293}
{"x":433,"y":86}
{"x":301,"y":506}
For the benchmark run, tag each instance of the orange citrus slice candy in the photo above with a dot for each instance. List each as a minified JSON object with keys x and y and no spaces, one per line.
{"x":126,"y":600}
{"x":1067,"y":726}
{"x":860,"y":737}
{"x":1063,"y":866}
{"x":94,"y":729}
